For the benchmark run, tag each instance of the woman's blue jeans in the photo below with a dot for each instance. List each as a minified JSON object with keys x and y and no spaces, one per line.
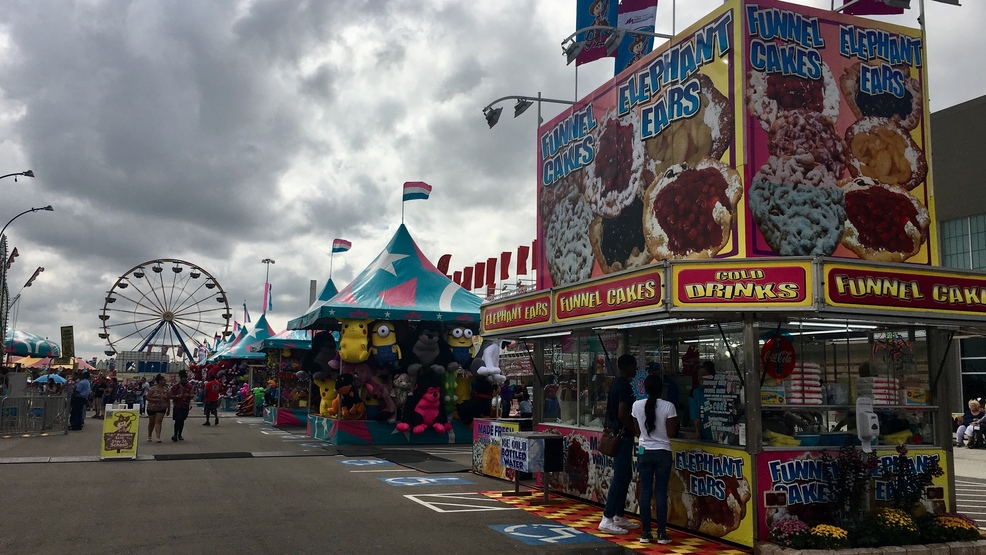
{"x":616,"y":497}
{"x":654,"y":468}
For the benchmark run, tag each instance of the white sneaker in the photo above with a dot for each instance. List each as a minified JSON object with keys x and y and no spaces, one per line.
{"x":624,"y":522}
{"x":607,"y":526}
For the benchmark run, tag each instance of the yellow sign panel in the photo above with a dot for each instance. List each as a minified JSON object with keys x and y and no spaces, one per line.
{"x":119,"y":438}
{"x":757,"y":283}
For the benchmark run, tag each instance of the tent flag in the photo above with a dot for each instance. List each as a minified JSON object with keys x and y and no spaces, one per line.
{"x":872,"y":7}
{"x":236,"y":326}
{"x":341,"y":245}
{"x":416,"y":190}
{"x":270,"y":297}
{"x":505,"y":265}
{"x":594,"y":12}
{"x":246,"y":314}
{"x":523,"y":252}
{"x":635,"y":15}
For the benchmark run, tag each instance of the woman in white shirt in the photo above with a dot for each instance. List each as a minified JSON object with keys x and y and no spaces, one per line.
{"x":656,"y":422}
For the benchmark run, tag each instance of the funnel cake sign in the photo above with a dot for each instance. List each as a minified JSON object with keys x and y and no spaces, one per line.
{"x":912,"y":290}
{"x":609,"y":296}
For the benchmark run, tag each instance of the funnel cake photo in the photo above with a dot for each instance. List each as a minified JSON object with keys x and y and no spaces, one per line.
{"x":801,"y":132}
{"x":904,"y":110}
{"x":614,"y":177}
{"x":885,"y":152}
{"x":883,"y":222}
{"x":769,"y":95}
{"x":689,"y":212}
{"x":566,"y":239}
{"x":618,"y":243}
{"x":795,"y":215}
{"x":707,"y":134}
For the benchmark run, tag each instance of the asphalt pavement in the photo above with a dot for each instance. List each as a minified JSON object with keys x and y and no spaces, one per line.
{"x":246,"y":487}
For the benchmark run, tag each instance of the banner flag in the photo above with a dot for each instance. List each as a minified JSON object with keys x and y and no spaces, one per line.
{"x":34,"y":276}
{"x":491,"y":272}
{"x":457,"y":278}
{"x":523,"y":252}
{"x":505,"y":264}
{"x":594,"y":12}
{"x":270,"y":297}
{"x":872,"y":7}
{"x":236,"y":326}
{"x":534,"y":258}
{"x":416,"y":190}
{"x":246,"y":314}
{"x":466,"y":278}
{"x":341,"y":245}
{"x":443,"y":263}
{"x":479,"y":275}
{"x":13,"y":254}
{"x":635,"y":15}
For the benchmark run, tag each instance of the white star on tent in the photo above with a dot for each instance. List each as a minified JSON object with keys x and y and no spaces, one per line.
{"x":386,"y":262}
{"x":332,"y":312}
{"x":438,"y":316}
{"x":386,"y":315}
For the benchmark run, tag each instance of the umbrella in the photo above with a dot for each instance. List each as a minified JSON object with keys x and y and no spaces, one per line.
{"x":46,"y":377}
{"x":22,"y":343}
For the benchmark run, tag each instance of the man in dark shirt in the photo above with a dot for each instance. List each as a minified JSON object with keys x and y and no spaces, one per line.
{"x":80,"y":396}
{"x":618,"y":403}
{"x":181,"y":401}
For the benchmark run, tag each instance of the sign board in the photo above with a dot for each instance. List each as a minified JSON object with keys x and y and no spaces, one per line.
{"x":68,"y":342}
{"x":120,"y":431}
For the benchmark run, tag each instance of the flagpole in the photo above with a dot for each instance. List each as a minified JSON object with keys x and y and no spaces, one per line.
{"x":333,"y":253}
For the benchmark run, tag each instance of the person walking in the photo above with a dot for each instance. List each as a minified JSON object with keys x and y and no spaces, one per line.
{"x":211,"y":399}
{"x":181,"y":400}
{"x":80,"y":397}
{"x":618,"y":418}
{"x":158,"y":406}
{"x":655,"y":422}
{"x":142,"y":390}
{"x":98,"y":392}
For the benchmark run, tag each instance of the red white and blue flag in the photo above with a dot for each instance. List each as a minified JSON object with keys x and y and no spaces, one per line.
{"x":416,"y":190}
{"x":342,"y":245}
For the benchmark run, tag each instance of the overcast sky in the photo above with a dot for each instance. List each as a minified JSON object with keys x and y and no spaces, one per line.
{"x":225,"y":132}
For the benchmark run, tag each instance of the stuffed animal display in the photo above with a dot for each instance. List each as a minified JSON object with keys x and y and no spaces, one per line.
{"x":384,"y":347}
{"x":428,"y":413}
{"x":347,"y":405}
{"x":354,"y":341}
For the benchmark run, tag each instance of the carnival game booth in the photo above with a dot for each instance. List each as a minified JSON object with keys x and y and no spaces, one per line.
{"x":403,"y":365}
{"x":234,"y":363}
{"x":284,"y":354}
{"x":754,"y":197}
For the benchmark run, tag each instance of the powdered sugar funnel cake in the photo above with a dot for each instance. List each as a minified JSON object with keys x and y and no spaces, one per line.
{"x":614,"y":177}
{"x":566,"y":240}
{"x":689,"y":212}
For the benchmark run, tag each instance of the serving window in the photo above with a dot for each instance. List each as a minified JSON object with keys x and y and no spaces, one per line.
{"x":813,"y":371}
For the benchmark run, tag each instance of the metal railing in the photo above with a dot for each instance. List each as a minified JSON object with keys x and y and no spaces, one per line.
{"x":34,"y":414}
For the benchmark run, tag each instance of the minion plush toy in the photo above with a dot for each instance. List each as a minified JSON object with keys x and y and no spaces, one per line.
{"x":459,"y":339}
{"x":384,"y":346}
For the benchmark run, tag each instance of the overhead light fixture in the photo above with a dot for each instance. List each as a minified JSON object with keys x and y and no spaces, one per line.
{"x":905,"y":4}
{"x":492,"y":115}
{"x":614,"y":40}
{"x":572,"y":51}
{"x":545,"y":335}
{"x":522,"y":105}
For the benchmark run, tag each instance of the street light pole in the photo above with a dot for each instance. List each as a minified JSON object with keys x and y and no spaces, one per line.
{"x":3,"y":264}
{"x":523,"y":103}
{"x":28,"y":173}
{"x":268,"y":262}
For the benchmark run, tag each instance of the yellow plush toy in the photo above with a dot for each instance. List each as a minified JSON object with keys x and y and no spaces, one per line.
{"x":327,"y":389}
{"x":384,"y":344}
{"x":354,"y":340}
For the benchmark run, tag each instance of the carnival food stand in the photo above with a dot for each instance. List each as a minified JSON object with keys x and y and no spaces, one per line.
{"x":754,"y":194}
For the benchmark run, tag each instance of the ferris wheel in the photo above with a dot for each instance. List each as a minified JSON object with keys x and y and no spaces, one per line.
{"x":164,"y":306}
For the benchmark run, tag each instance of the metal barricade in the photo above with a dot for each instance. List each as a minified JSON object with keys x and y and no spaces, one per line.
{"x":34,"y":414}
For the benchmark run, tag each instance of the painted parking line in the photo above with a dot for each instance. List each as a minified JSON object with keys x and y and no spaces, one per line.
{"x":545,"y":534}
{"x":425,"y":481}
{"x":365,"y":462}
{"x":465,"y":502}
